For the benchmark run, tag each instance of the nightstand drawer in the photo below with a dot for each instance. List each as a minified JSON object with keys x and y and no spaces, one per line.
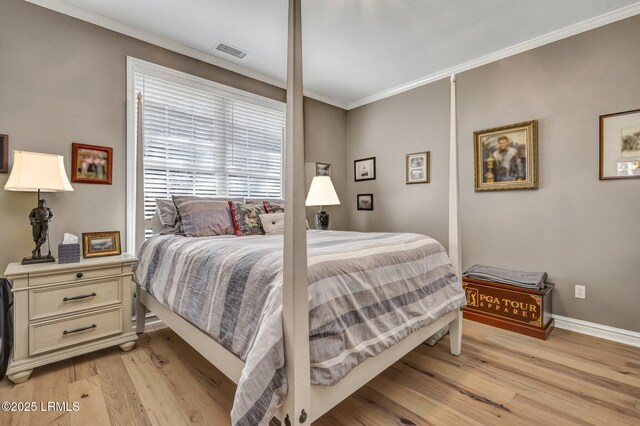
{"x":67,"y":299}
{"x":74,"y":275}
{"x":56,"y":334}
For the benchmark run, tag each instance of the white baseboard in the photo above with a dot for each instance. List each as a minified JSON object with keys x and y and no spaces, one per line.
{"x":606,"y":332}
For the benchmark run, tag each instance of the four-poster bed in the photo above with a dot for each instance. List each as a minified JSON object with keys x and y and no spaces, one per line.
{"x":305,"y":402}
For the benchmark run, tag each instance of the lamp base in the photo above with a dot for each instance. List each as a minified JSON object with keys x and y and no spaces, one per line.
{"x":36,"y":260}
{"x":322,"y":220}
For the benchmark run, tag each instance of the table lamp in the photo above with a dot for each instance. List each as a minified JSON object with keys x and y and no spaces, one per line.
{"x":35,"y":172}
{"x":322,"y":193}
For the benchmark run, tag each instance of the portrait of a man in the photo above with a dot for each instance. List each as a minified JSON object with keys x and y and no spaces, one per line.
{"x":506,"y":157}
{"x":509,"y":158}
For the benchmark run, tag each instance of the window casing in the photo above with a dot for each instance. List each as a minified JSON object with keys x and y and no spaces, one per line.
{"x":201,"y":138}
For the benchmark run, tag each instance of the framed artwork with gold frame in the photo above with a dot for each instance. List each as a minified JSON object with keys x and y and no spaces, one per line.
{"x":91,"y":164}
{"x":620,"y":145}
{"x":506,"y":157}
{"x":98,"y":244}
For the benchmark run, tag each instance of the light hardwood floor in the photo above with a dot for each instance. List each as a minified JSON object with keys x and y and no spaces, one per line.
{"x":500,"y":378}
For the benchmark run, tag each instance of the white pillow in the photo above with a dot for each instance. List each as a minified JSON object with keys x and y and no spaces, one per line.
{"x":272,"y":223}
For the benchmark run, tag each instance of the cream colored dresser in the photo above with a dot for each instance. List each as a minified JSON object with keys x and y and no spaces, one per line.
{"x":61,"y":311}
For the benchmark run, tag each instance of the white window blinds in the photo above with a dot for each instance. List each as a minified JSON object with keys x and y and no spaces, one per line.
{"x":201,"y":141}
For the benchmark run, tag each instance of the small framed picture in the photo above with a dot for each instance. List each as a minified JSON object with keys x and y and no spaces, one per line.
{"x":364,"y":169}
{"x":418,"y":167}
{"x":98,"y":244}
{"x":365,"y":201}
{"x":4,"y":154}
{"x":620,"y":145}
{"x":506,"y":158}
{"x":91,"y":164}
{"x":323,"y":169}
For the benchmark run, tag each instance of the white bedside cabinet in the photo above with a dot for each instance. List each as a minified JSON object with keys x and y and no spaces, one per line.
{"x":61,"y":311}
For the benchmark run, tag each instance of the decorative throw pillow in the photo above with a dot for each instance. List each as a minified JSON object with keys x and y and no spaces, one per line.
{"x":273,"y":207}
{"x":272,"y":223}
{"x":246,"y":218}
{"x":166,"y":212}
{"x":203,"y":217}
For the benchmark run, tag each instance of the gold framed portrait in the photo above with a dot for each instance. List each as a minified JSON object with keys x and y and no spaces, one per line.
{"x":98,"y":244}
{"x":506,"y":157}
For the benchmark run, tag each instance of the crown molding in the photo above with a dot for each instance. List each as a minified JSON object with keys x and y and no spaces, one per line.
{"x":571,"y":30}
{"x":324,"y":99}
{"x":167,"y":43}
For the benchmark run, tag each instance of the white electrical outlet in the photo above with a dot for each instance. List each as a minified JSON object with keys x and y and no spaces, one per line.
{"x":581,"y":292}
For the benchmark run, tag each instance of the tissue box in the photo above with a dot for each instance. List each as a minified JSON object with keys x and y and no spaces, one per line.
{"x":68,"y":253}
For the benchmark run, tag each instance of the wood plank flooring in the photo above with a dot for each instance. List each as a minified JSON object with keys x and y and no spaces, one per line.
{"x":500,"y":378}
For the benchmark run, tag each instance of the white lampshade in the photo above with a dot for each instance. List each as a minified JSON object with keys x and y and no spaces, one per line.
{"x":34,"y":171}
{"x":322,"y":192}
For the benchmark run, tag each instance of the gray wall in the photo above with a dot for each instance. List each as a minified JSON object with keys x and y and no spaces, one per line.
{"x":325,"y":141}
{"x":577,"y":228}
{"x":63,"y":80}
{"x":414,"y":121}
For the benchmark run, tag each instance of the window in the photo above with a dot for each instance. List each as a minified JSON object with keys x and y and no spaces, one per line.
{"x":202,"y":138}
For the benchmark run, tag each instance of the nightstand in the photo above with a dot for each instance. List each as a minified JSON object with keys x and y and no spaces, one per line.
{"x":61,"y":311}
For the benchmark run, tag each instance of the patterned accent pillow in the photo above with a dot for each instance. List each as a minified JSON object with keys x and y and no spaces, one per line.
{"x":272,"y":223}
{"x":246,"y":218}
{"x":273,"y":207}
{"x":166,"y":211}
{"x":203,"y":217}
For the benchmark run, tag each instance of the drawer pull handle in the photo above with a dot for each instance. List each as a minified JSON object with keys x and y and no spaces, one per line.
{"x":79,"y":275}
{"x":78,"y":330}
{"x":69,"y":299}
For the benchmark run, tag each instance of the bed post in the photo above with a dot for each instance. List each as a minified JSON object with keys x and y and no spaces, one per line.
{"x":141,"y":312}
{"x":295,"y":304}
{"x":455,"y":329}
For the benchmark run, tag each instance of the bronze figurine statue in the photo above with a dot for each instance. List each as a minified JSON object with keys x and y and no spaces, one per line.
{"x":40,"y":218}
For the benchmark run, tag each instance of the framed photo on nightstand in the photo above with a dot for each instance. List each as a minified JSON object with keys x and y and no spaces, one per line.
{"x":98,"y":244}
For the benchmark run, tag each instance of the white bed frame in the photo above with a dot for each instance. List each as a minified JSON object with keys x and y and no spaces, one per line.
{"x":322,"y":398}
{"x":305,"y":402}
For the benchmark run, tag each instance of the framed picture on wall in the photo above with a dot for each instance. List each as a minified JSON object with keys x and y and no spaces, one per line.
{"x":506,"y":158}
{"x":4,"y":154}
{"x":365,"y":202}
{"x":417,"y":165}
{"x":91,"y":164}
{"x":323,"y":169}
{"x":364,"y":169}
{"x":620,"y":145}
{"x":98,"y":244}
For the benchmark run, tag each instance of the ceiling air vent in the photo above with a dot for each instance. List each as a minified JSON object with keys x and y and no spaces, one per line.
{"x":230,"y":50}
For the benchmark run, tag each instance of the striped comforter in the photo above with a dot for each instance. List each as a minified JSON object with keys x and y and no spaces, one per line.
{"x":367,"y":291}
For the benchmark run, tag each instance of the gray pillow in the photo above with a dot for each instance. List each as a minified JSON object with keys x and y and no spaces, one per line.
{"x":203,"y":217}
{"x":166,"y":211}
